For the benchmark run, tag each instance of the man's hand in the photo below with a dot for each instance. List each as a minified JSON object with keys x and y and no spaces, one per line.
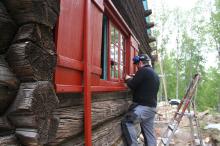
{"x":127,"y":77}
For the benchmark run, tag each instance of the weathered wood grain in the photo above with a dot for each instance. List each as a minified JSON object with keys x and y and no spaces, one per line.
{"x":71,"y":118}
{"x":6,"y":98}
{"x":30,"y":62}
{"x":40,"y":35}
{"x":32,"y":109}
{"x":105,"y":135}
{"x":76,"y":99}
{"x":7,"y":78}
{"x":10,"y":140}
{"x":7,"y":29}
{"x":5,"y":127}
{"x":33,"y":11}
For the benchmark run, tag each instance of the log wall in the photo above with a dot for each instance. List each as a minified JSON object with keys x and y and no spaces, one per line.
{"x":31,"y":113}
{"x":105,"y":108}
{"x":27,"y":63}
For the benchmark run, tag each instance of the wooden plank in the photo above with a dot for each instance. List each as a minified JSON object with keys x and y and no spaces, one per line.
{"x":32,"y":109}
{"x":7,"y":29}
{"x":30,"y":62}
{"x":71,"y":118}
{"x":33,"y":11}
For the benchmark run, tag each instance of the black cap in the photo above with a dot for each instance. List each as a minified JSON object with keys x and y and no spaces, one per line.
{"x":144,"y":57}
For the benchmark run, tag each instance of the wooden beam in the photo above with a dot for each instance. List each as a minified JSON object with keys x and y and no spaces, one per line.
{"x":32,"y":110}
{"x":71,"y":118}
{"x":147,"y":13}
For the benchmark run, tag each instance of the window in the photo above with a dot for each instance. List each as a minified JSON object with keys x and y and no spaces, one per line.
{"x":117,"y":53}
{"x":113,"y":52}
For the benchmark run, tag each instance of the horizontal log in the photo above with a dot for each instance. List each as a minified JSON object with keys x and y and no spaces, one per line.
{"x":5,"y":127}
{"x":32,"y":109}
{"x":30,"y":62}
{"x":38,"y":34}
{"x":107,"y":134}
{"x":7,"y":78}
{"x":76,"y":99}
{"x":10,"y":140}
{"x":7,"y":29}
{"x":6,"y":98}
{"x":149,"y":25}
{"x":28,"y":136}
{"x":33,"y":11}
{"x":71,"y":118}
{"x":147,"y":12}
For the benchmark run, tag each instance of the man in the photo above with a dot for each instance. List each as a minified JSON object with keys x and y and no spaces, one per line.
{"x":145,"y":85}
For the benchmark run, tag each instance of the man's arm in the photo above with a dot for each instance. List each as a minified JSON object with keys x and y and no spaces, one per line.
{"x":135,"y":81}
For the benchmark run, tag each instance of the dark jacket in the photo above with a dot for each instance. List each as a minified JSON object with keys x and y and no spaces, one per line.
{"x":145,"y":85}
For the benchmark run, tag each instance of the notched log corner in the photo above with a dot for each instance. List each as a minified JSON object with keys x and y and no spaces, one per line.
{"x":9,"y":140}
{"x":31,"y":113}
{"x":40,"y":35}
{"x":5,"y":127}
{"x":30,"y":62}
{"x":7,"y":78}
{"x":7,"y":29}
{"x":8,"y":85}
{"x":33,"y":11}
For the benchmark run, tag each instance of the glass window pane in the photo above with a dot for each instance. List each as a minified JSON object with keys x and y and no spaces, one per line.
{"x":112,"y":35}
{"x":116,"y":37}
{"x":121,"y":41}
{"x":121,"y":71}
{"x":116,"y":53}
{"x":116,"y":71}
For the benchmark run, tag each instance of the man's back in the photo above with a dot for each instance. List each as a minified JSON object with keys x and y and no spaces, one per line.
{"x":145,"y":86}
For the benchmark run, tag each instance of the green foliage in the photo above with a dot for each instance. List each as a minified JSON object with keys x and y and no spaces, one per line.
{"x":194,"y":39}
{"x":209,"y":90}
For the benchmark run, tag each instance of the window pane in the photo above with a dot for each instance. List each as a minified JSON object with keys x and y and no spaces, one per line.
{"x":116,"y":37}
{"x":112,"y":35}
{"x":121,"y":71}
{"x":116,"y":54}
{"x":121,"y":40}
{"x":116,"y":71}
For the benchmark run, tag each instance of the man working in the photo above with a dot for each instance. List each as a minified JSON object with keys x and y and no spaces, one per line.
{"x":145,"y":85}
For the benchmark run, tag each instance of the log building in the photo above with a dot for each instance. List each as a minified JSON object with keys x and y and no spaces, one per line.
{"x":62,"y":68}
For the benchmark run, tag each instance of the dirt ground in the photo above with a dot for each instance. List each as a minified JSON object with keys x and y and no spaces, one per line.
{"x":183,"y":135}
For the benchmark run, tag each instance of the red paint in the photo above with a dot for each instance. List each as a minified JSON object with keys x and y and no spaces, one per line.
{"x":87,"y":74}
{"x":69,"y":45}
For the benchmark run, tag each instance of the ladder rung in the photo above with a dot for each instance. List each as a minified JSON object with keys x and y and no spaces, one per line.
{"x":164,"y":141}
{"x":171,"y":127}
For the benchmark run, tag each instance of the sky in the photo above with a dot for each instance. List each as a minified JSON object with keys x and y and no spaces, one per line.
{"x":156,"y":5}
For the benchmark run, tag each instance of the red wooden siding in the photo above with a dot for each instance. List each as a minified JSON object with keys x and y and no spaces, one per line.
{"x":96,"y":36}
{"x":69,"y":39}
{"x":68,"y":75}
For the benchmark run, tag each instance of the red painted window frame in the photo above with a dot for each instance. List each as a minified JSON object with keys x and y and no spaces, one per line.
{"x":119,"y":78}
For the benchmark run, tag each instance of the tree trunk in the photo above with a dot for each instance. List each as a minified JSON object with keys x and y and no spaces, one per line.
{"x":34,"y":11}
{"x":31,"y":113}
{"x":7,"y":29}
{"x":30,"y":62}
{"x":71,"y":118}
